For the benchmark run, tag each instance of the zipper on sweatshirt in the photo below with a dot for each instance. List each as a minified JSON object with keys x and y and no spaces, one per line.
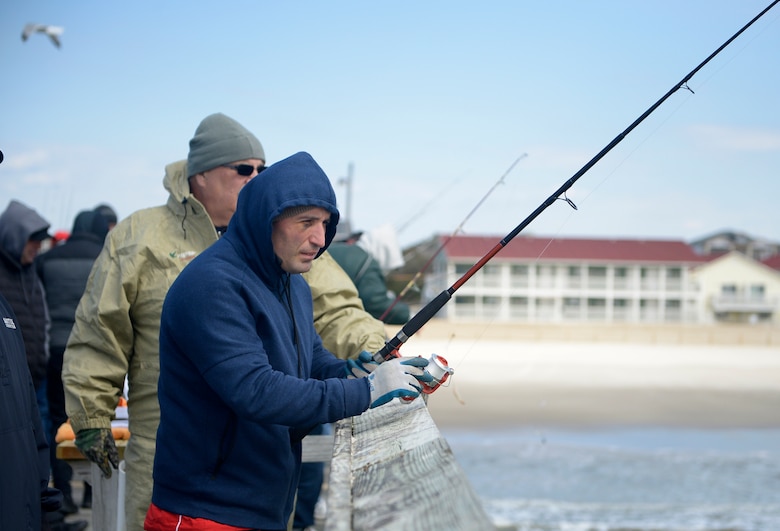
{"x":226,"y":442}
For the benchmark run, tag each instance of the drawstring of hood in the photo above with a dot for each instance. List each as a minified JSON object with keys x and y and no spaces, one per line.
{"x":184,"y":219}
{"x":287,"y":295}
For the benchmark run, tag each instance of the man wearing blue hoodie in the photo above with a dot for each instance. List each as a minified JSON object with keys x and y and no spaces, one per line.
{"x":242,"y":369}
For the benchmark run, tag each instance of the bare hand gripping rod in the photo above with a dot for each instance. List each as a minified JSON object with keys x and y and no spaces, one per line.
{"x":429,"y":310}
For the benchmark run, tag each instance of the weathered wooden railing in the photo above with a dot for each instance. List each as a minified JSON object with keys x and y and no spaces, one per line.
{"x":390,"y":469}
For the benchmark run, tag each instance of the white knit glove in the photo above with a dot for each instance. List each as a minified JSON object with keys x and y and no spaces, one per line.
{"x":397,"y":378}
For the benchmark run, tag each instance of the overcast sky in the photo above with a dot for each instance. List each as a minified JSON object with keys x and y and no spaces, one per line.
{"x":431,"y":102}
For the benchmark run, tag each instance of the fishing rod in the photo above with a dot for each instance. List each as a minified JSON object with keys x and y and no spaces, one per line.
{"x":444,"y":244}
{"x":439,"y":364}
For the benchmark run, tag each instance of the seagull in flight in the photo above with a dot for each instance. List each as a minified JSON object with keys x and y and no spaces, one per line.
{"x":53,"y":32}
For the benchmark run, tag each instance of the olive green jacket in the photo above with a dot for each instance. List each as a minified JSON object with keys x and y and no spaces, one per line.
{"x":345,"y":327}
{"x":118,"y":319}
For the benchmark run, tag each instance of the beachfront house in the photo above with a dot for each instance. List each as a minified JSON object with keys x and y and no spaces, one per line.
{"x":736,"y":288}
{"x":542,"y":279}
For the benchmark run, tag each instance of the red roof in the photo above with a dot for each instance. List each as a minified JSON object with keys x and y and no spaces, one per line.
{"x":571,"y":249}
{"x":773,"y":261}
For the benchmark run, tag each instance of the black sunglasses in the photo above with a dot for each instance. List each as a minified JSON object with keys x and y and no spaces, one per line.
{"x":244,"y":169}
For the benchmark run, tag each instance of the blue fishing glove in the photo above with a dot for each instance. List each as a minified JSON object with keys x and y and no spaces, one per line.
{"x":398,"y":378}
{"x":362,"y":366}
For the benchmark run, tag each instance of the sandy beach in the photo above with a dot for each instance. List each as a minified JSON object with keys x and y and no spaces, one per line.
{"x":599,"y":376}
{"x":586,"y":376}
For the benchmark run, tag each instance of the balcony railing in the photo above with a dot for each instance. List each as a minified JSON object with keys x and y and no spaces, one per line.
{"x":736,"y":303}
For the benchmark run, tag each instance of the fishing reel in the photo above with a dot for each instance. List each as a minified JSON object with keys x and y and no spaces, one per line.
{"x":437,"y":368}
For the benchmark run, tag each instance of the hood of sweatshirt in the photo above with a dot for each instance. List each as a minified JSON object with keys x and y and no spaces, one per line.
{"x":17,"y":223}
{"x":297,"y":181}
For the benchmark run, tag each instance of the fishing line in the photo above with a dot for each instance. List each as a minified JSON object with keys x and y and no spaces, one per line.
{"x":691,"y":92}
{"x":530,"y":366}
{"x":703,"y":84}
{"x":391,"y":348}
{"x":556,"y":235}
{"x":683,"y":85}
{"x":611,"y":173}
{"x":427,"y":264}
{"x":425,"y":208}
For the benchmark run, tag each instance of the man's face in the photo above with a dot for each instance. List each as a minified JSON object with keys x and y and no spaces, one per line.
{"x":218,"y":189}
{"x":30,"y":251}
{"x":297,"y":239}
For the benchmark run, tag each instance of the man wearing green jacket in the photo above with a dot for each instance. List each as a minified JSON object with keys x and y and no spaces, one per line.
{"x":365,"y":272}
{"x":118,"y":319}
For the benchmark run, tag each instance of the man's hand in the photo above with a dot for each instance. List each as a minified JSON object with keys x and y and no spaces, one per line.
{"x":98,"y":445}
{"x":398,"y":378}
{"x":362,"y":366}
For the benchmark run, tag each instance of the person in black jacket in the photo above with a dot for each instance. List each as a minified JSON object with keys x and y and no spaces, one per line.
{"x":108,"y":213}
{"x":64,"y":270}
{"x":22,"y":231}
{"x":25,"y":495}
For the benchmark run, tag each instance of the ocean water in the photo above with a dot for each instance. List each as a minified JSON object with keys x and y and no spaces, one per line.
{"x":625,"y":480}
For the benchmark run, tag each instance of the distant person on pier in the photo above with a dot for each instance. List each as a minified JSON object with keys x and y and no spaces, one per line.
{"x":366,"y":272}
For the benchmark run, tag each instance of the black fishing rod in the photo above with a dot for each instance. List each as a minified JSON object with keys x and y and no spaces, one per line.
{"x":392,"y":346}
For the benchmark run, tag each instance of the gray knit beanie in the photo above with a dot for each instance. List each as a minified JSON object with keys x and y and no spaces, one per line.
{"x":219,"y":140}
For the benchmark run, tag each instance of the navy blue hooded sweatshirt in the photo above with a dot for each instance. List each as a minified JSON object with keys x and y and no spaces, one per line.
{"x":243,"y":374}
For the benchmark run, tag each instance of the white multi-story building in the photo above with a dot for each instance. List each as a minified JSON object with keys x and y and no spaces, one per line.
{"x":535,"y":279}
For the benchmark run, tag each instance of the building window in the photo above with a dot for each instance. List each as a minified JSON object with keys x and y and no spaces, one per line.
{"x":597,"y":277}
{"x":574,"y":277}
{"x":491,"y":306}
{"x":518,"y":276}
{"x":491,"y":275}
{"x":571,"y":308}
{"x":673,"y":310}
{"x":519,"y":270}
{"x":461,"y":269}
{"x":650,"y":278}
{"x":465,"y":306}
{"x":756,"y":292}
{"x":545,"y":308}
{"x":649,"y":310}
{"x":622,"y":280}
{"x":621,"y":309}
{"x":729,"y":290}
{"x":545,"y":276}
{"x":518,"y":307}
{"x":674,"y":279}
{"x":597,"y":309}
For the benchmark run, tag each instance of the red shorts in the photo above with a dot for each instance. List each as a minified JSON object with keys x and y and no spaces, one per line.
{"x":160,"y":520}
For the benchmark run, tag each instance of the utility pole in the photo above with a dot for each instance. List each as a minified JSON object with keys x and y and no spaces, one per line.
{"x":347,"y":181}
